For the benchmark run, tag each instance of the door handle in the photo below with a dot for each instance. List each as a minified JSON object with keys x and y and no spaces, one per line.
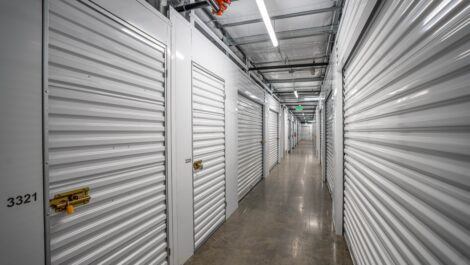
{"x":197,"y":165}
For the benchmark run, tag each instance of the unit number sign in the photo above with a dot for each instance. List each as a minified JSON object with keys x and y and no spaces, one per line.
{"x":21,"y":199}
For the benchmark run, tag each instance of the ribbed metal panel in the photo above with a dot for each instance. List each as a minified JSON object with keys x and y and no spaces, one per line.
{"x":306,"y":132}
{"x":250,"y":144}
{"x":106,"y":131}
{"x":322,"y":143}
{"x":291,"y":133}
{"x":407,"y":136}
{"x":208,"y":146}
{"x":273,"y":135}
{"x":330,"y":152}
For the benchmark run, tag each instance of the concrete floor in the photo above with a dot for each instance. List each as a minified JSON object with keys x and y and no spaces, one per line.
{"x":285,"y":219}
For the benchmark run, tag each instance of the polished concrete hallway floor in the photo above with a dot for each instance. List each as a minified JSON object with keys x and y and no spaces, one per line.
{"x":285,"y":219}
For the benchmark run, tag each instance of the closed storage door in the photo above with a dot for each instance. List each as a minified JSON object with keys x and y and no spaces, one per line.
{"x":330,"y":152}
{"x":290,"y":135}
{"x":306,"y":133}
{"x":322,"y":143}
{"x":209,"y":152}
{"x":407,"y":136}
{"x":273,"y":138}
{"x":250,"y":144}
{"x":105,"y":131}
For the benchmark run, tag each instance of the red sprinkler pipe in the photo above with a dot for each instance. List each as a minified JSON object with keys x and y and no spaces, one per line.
{"x":223,"y":5}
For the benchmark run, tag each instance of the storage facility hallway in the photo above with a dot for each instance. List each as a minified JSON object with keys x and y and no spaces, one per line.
{"x":285,"y":219}
{"x":235,"y":132}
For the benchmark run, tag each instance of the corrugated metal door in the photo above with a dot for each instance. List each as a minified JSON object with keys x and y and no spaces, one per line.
{"x":105,"y":124}
{"x":407,"y":136}
{"x":330,"y":152}
{"x":289,"y":134}
{"x":323,"y":143}
{"x":250,"y":144}
{"x":273,"y":134}
{"x":209,"y":150}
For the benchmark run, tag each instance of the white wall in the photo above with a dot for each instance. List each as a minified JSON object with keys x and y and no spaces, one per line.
{"x":181,"y":144}
{"x":21,"y":158}
{"x":21,"y":164}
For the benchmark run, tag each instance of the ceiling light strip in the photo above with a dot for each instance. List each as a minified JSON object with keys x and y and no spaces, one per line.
{"x":267,"y":22}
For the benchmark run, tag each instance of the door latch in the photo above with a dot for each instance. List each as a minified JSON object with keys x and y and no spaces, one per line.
{"x":197,"y":165}
{"x":67,"y":201}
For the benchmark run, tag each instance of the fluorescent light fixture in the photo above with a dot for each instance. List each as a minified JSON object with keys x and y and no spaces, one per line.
{"x":311,"y":98}
{"x":267,"y":21}
{"x":295,"y":93}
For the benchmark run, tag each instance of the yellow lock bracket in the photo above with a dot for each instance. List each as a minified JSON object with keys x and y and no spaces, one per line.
{"x":67,"y":201}
{"x":197,"y":165}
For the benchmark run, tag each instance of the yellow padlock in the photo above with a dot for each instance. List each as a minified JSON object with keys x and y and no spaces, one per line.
{"x":70,"y":209}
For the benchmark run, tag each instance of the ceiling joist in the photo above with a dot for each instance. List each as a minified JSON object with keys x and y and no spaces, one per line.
{"x":290,"y":15}
{"x":288,"y":66}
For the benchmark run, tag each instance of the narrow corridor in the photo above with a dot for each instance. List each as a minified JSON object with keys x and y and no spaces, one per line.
{"x":286,"y":219}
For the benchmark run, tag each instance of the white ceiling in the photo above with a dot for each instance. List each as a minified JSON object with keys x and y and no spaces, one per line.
{"x":301,"y":40}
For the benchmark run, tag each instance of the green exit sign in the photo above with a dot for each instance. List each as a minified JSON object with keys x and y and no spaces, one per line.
{"x":299,"y":108}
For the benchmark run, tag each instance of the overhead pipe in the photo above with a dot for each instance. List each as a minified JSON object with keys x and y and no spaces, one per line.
{"x":287,"y":66}
{"x":197,"y":5}
{"x":214,"y":5}
{"x":163,"y":6}
{"x":191,"y":6}
{"x":296,"y":80}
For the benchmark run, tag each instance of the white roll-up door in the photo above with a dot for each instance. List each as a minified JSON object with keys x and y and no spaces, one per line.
{"x":291,"y":134}
{"x":330,"y":152}
{"x":250,"y":144}
{"x":273,"y":135}
{"x":306,"y":132}
{"x":208,"y":150}
{"x":105,"y":131}
{"x":407,"y":136}
{"x":323,"y":143}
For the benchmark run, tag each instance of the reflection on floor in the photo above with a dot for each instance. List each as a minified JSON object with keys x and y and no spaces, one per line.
{"x":285,"y":219}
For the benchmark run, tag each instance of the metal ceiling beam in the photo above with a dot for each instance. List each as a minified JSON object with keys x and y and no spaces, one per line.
{"x":291,"y":15}
{"x":309,"y":92}
{"x":191,"y":6}
{"x":285,"y":35}
{"x":295,"y":80}
{"x":292,"y":70}
{"x":292,"y":103}
{"x":312,"y":59}
{"x":287,"y":66}
{"x":300,"y":88}
{"x":301,"y":93}
{"x":226,"y":36}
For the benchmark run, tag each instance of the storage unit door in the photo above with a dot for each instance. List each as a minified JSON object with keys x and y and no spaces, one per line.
{"x":208,"y":152}
{"x":250,"y":144}
{"x":322,"y":144}
{"x":407,"y":136}
{"x":330,"y":152}
{"x":290,"y":135}
{"x":105,"y":132}
{"x":306,"y":133}
{"x":273,"y":138}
